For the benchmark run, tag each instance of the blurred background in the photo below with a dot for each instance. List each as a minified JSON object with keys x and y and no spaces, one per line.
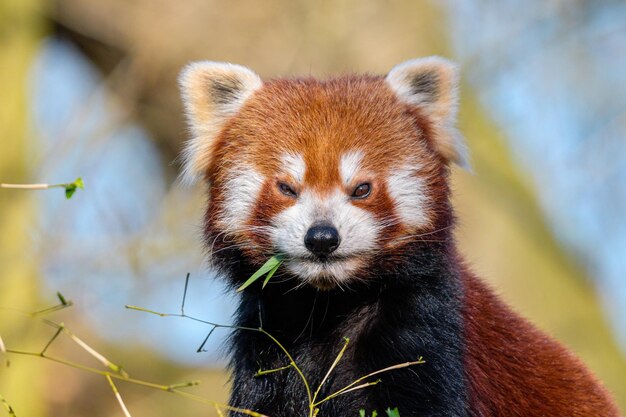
{"x":89,"y":89}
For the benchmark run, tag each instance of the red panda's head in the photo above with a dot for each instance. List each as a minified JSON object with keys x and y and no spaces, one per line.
{"x":331,"y":174}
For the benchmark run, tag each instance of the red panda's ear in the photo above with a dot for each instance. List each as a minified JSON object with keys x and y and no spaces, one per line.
{"x":212,"y":93}
{"x":431,"y":84}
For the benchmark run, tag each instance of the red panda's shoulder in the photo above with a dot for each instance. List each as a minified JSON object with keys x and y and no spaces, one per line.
{"x":515,"y":369}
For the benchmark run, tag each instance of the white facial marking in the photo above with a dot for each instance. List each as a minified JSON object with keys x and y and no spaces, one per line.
{"x":358,"y":231}
{"x":293,"y":164}
{"x":409,"y":193}
{"x":349,"y":165}
{"x":338,"y":271}
{"x":242,"y":189}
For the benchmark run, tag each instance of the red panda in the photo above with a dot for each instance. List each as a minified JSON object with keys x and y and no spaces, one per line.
{"x":347,"y":179}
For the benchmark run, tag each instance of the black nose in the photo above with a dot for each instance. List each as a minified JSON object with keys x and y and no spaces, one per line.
{"x":322,"y":239}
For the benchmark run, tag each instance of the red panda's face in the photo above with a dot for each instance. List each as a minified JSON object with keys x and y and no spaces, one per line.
{"x":328,"y":174}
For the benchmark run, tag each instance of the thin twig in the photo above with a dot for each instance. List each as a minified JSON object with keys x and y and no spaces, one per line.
{"x":51,"y":309}
{"x":56,"y":334}
{"x":118,"y":396}
{"x":332,"y":367}
{"x":219,"y":412}
{"x":70,"y":187}
{"x":26,"y":186}
{"x":118,"y":373}
{"x":167,"y":388}
{"x":206,"y":339}
{"x":182,"y":305}
{"x":349,"y":387}
{"x":367,"y":384}
{"x":98,"y":356}
{"x":262,"y":372}
{"x":292,"y":362}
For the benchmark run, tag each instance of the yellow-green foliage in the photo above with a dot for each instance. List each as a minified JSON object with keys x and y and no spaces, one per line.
{"x":22,"y":384}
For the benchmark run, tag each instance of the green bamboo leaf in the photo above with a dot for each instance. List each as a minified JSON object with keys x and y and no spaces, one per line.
{"x":272,"y":263}
{"x":71,"y":188}
{"x":270,"y":274}
{"x":393,"y":412}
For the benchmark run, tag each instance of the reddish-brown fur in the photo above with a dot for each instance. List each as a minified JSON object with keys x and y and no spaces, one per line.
{"x":322,"y":120}
{"x":508,"y":361}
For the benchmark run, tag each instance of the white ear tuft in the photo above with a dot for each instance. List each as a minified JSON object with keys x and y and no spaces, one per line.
{"x":431,"y":84}
{"x":212,"y":93}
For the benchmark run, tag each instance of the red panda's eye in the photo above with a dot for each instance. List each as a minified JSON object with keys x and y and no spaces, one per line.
{"x":362,"y":191}
{"x":287,"y":190}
